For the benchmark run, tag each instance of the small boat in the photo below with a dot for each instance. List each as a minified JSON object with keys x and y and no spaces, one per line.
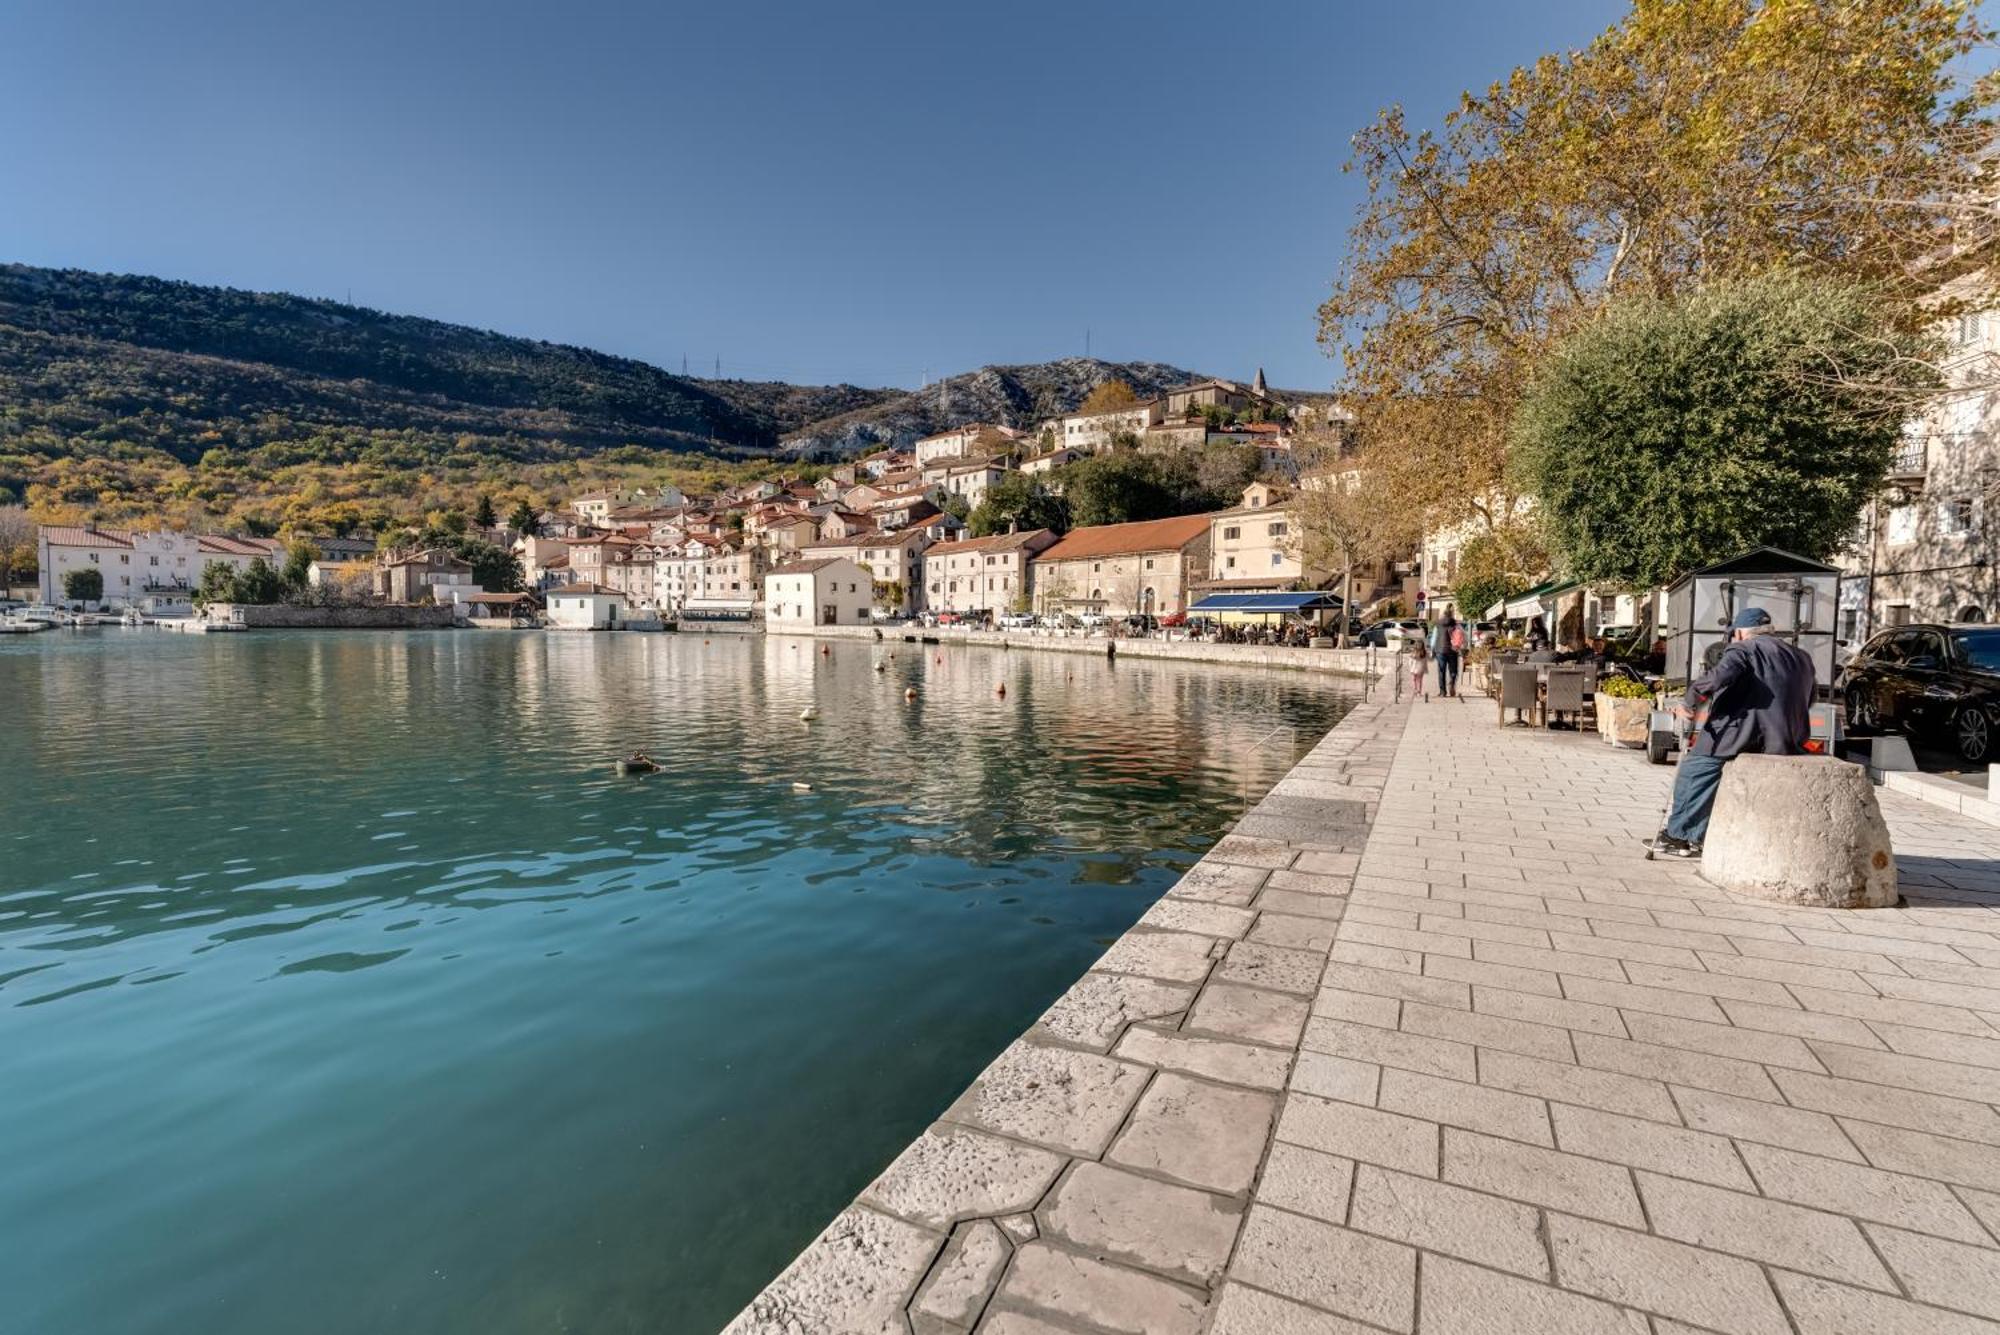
{"x":638,"y":763}
{"x":798,"y":787}
{"x":808,"y":714}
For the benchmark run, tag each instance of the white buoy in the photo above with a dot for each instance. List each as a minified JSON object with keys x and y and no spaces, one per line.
{"x":909,"y":692}
{"x":881,"y":667}
{"x":808,"y":714}
{"x":798,"y":787}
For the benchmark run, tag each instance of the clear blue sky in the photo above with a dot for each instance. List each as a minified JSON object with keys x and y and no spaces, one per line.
{"x":814,"y":191}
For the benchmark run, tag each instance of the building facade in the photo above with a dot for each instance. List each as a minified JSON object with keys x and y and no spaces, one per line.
{"x":1926,"y":547}
{"x":993,"y":575}
{"x":825,"y":591}
{"x":142,"y":569}
{"x":1122,"y":569}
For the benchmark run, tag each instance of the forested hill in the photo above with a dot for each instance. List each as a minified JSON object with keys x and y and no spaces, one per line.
{"x":135,"y":399}
{"x":70,"y":338}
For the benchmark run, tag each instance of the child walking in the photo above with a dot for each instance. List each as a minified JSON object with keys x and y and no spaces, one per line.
{"x":1419,"y":662}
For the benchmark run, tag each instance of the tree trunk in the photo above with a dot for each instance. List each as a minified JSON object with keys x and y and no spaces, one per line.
{"x":1346,"y":603}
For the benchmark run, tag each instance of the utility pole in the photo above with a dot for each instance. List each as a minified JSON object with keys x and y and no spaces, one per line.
{"x":1086,"y":341}
{"x":684,"y":363}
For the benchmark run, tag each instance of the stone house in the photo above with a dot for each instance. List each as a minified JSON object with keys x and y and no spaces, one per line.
{"x":426,"y":576}
{"x":1120,"y":569}
{"x":826,"y":591}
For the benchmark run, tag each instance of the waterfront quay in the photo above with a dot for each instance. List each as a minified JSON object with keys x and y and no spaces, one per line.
{"x":1424,"y":1045}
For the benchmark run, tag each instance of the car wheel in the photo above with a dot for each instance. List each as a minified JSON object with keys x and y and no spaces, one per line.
{"x":1974,"y":733}
{"x":1860,"y":711}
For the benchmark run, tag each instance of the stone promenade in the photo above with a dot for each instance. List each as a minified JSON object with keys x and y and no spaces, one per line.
{"x":1426,"y":1046}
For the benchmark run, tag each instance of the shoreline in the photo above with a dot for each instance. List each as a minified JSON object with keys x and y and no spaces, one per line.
{"x":1134,"y":1117}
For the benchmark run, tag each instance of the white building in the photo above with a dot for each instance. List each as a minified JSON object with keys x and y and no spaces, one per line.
{"x":829,"y":591}
{"x":972,"y":438}
{"x":988,"y":574}
{"x":585,"y":607}
{"x":142,"y":569}
{"x":1093,"y":433}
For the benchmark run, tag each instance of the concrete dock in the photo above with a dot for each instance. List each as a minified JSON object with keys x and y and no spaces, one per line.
{"x":1424,"y":1045}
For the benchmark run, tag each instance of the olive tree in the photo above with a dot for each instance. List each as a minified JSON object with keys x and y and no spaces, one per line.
{"x":1673,"y":433}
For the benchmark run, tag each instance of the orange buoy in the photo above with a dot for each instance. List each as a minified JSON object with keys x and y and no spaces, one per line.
{"x":826,"y":649}
{"x":909,"y":692}
{"x":1001,"y":689}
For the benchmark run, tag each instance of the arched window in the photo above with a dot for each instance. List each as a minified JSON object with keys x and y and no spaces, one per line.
{"x":1971,"y":613}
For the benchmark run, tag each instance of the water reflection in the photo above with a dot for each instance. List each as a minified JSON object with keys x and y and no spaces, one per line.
{"x":343,"y":986}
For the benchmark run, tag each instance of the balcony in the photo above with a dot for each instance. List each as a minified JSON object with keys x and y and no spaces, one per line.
{"x":1910,"y":459}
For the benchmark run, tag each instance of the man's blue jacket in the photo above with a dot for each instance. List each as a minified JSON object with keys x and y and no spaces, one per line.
{"x":1759,"y":699}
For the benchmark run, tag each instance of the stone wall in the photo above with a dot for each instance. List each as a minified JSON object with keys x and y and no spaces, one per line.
{"x":280,"y":616}
{"x":1343,"y":662}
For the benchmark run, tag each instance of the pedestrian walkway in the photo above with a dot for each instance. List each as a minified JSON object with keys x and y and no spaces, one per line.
{"x":1426,"y":1046}
{"x":1550,"y":1087}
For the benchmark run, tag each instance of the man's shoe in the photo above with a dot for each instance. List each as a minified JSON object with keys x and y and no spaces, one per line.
{"x":1666,"y":846}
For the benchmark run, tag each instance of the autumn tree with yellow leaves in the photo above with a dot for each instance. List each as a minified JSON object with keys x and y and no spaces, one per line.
{"x":1695,"y":141}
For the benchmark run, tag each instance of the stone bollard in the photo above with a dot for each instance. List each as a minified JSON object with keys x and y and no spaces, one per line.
{"x":1800,"y":830}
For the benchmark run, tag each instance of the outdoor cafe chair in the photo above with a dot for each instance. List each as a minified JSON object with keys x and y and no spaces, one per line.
{"x":1518,"y":692}
{"x":1565,"y":696}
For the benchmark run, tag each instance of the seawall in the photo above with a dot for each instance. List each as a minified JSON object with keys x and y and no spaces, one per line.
{"x":280,"y":616}
{"x":1341,"y":662}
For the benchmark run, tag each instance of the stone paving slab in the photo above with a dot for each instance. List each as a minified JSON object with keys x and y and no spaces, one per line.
{"x":1425,"y":1046}
{"x":1547,"y":1086}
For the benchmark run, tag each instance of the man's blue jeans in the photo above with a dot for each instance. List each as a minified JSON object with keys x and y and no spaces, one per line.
{"x":1447,"y":671}
{"x":1694,"y":796}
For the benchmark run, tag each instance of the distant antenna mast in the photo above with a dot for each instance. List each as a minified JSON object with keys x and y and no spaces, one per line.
{"x":945,"y":395}
{"x":1086,"y":342}
{"x":684,"y":363}
{"x":718,"y":367}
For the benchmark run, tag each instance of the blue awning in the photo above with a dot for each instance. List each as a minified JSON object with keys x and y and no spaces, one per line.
{"x":1309,"y":601}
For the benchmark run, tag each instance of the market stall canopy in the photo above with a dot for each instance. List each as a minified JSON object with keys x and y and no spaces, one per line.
{"x":1276,"y":604}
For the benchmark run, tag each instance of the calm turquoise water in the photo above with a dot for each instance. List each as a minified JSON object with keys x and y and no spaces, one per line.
{"x":344,"y":989}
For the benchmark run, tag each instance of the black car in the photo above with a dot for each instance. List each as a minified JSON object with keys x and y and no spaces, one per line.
{"x":1938,"y":683}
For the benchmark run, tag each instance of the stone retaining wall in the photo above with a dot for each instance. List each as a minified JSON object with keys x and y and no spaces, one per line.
{"x":391,"y":616}
{"x":1098,"y":1172}
{"x":1342,"y":662}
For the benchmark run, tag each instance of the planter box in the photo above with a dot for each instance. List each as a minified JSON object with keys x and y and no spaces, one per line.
{"x":1623,"y":722}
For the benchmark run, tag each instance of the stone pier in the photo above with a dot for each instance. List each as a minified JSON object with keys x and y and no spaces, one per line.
{"x":1425,"y":1046}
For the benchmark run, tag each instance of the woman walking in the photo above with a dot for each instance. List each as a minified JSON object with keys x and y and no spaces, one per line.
{"x":1447,"y":645}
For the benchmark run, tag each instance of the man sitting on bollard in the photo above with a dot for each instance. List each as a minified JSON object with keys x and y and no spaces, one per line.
{"x":1757,"y":698}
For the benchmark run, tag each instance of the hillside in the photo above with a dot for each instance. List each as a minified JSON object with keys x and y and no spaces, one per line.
{"x":1010,"y":395}
{"x":210,"y":358}
{"x":135,"y":398}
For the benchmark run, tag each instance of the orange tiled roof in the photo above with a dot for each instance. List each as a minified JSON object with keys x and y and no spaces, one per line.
{"x":1152,"y":535}
{"x":73,"y":535}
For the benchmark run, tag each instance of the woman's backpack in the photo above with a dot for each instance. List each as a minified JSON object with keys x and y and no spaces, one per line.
{"x":1457,"y":637}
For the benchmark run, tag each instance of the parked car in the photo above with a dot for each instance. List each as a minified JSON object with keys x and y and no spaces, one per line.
{"x":1091,"y":620}
{"x":1391,"y":634}
{"x":1938,"y":683}
{"x":1139,"y":624}
{"x":1017,"y":621}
